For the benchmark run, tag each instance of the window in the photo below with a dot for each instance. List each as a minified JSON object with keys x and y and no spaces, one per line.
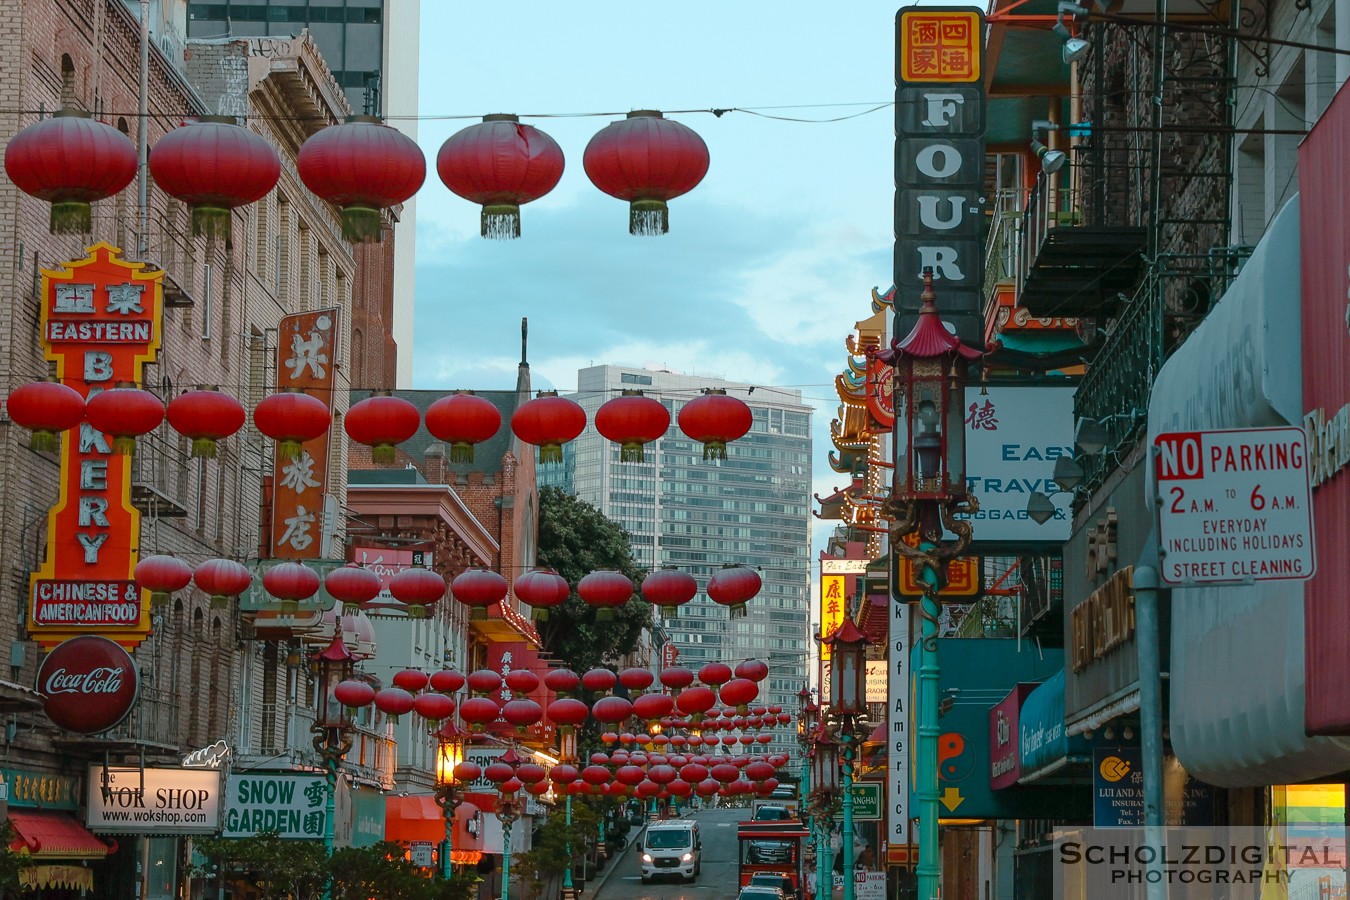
{"x":631,"y":378}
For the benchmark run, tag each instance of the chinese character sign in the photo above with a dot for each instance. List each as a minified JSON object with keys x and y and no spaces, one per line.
{"x":939,"y":165}
{"x":833,"y":606}
{"x":100,"y":326}
{"x":305,"y":360}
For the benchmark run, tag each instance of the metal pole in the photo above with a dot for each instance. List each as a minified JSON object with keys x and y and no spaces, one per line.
{"x":568,"y":891}
{"x":330,"y":813}
{"x":448,"y":845}
{"x":506,"y":859}
{"x":143,"y":137}
{"x":803,"y":792}
{"x":1150,"y":721}
{"x":827,"y":855}
{"x":846,"y":844}
{"x":929,"y":873}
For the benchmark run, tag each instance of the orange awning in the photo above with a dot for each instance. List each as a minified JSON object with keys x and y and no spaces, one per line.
{"x":409,"y":819}
{"x":47,"y":834}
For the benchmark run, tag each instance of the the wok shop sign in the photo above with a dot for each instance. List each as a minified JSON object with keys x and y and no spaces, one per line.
{"x":100,"y":326}
{"x":153,"y":801}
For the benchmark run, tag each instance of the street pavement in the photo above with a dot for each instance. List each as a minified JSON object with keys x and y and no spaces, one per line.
{"x":718,"y":880}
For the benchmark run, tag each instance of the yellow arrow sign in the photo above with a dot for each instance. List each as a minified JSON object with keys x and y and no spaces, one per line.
{"x":951,"y":798}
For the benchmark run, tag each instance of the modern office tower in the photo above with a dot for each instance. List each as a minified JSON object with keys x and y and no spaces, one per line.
{"x":371,"y":47}
{"x":683,"y":511}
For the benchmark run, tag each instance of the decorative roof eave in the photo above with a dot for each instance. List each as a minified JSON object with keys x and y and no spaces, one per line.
{"x":435,"y":500}
{"x":883,"y":300}
{"x":929,"y":338}
{"x":849,"y":393}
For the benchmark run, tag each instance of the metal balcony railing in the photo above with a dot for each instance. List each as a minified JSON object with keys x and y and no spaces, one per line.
{"x":161,"y":474}
{"x":153,"y":721}
{"x":1002,"y":249}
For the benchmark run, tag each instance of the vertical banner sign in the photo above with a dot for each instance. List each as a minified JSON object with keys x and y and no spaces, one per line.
{"x":306,"y":356}
{"x":939,"y":165}
{"x":897,"y":728}
{"x":100,"y":325}
{"x":832,"y":608}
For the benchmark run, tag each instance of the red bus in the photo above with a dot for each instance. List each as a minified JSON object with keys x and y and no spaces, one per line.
{"x":775,"y":846}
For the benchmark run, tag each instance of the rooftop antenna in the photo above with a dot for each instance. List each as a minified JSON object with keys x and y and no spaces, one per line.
{"x":524,"y":341}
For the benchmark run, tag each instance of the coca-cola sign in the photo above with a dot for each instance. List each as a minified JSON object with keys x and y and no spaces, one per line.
{"x":90,"y":684}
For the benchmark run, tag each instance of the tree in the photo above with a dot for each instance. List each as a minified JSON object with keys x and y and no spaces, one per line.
{"x":277,"y":866}
{"x":575,"y":539}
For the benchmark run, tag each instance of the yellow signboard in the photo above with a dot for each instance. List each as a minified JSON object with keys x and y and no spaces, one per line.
{"x":832,"y":607}
{"x":940,"y":45}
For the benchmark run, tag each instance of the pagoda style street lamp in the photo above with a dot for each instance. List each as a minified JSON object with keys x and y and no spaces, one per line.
{"x":848,"y":702}
{"x":824,"y":801}
{"x":567,"y":752}
{"x":449,"y":793}
{"x":806,"y":726}
{"x":509,"y":808}
{"x":928,"y":494}
{"x":333,"y":726}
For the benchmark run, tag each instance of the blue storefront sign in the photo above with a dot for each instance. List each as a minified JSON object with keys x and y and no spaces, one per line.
{"x":1043,"y":743}
{"x":1118,"y":791}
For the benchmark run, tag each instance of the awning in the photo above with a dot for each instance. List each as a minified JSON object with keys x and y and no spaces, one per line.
{"x":53,"y":835}
{"x":412,"y":819}
{"x":70,"y":877}
{"x":1043,"y":743}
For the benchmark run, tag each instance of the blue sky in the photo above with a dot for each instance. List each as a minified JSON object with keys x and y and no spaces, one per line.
{"x":769,"y":261}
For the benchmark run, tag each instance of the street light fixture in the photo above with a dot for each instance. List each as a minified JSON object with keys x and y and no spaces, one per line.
{"x":449,"y":793}
{"x":1067,"y":474}
{"x":332,"y":726}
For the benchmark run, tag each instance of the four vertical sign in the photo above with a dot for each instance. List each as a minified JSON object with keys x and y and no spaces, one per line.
{"x":939,"y":165}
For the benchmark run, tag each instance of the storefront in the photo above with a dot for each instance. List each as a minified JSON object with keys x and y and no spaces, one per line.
{"x":59,"y":849}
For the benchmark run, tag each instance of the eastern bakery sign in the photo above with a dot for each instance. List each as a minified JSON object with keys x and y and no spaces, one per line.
{"x":100,"y":326}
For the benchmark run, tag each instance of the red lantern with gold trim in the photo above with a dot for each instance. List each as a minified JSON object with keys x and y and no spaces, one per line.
{"x":548,"y":421}
{"x":222,"y":579}
{"x":206,"y":416}
{"x":478,"y":589}
{"x":418,"y":588}
{"x":542,"y":590}
{"x":291,"y":582}
{"x":214,"y":165}
{"x":501,"y":165}
{"x":70,"y":160}
{"x":364,"y":167}
{"x":647,"y":160}
{"x":45,"y":408}
{"x":669,"y":588}
{"x":462,"y":420}
{"x":604,"y":590}
{"x":380,"y":422}
{"x":632,"y":420}
{"x":162,"y":576}
{"x":291,"y":417}
{"x":352,"y":585}
{"x":126,"y":412}
{"x":715,"y":420}
{"x":733,"y":586}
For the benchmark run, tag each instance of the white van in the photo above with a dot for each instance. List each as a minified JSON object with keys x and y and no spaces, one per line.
{"x":671,"y":848}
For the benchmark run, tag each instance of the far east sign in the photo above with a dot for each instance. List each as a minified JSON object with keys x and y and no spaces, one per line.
{"x":1233,"y":506}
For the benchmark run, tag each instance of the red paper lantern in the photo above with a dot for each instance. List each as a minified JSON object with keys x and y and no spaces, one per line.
{"x":567,"y":712}
{"x":509,"y":786}
{"x":206,"y":416}
{"x":521,"y":681}
{"x":291,"y":417}
{"x":542,"y":590}
{"x":478,"y":589}
{"x":222,"y":579}
{"x":499,"y":772}
{"x":548,"y":421}
{"x":604,"y":590}
{"x":611,"y":710}
{"x":501,"y":165}
{"x":46,"y":408}
{"x":484,"y":681}
{"x":394,"y":702}
{"x":636,"y":679}
{"x":125,"y":412}
{"x":70,"y":160}
{"x":446,"y":681}
{"x":434,"y":707}
{"x":669,"y":588}
{"x":352,"y":585}
{"x":363,"y":166}
{"x":561,"y":681}
{"x":214,"y":165}
{"x":739,"y":692}
{"x":354,"y":694}
{"x":531,"y":773}
{"x":599,"y":680}
{"x":755,"y":670}
{"x":653,"y":706}
{"x":563,"y":773}
{"x":733,"y":586}
{"x":417,"y":587}
{"x":647,"y":160}
{"x":462,"y":420}
{"x":632,"y":420}
{"x":161,"y":576}
{"x":759,"y":770}
{"x":380,"y":422}
{"x":522,"y":713}
{"x":677,"y":678}
{"x":479,"y":711}
{"x":595,"y":775}
{"x":291,"y":582}
{"x":411,"y":680}
{"x":466,"y":773}
{"x":715,"y":420}
{"x":715,"y":673}
{"x":696,"y":701}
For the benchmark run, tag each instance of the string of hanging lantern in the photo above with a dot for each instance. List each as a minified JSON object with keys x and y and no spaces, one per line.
{"x":216,"y":165}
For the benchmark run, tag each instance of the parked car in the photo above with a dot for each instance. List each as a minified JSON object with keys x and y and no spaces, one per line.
{"x":768,"y":851}
{"x":772,"y":814}
{"x":774,"y":880}
{"x":760,"y":892}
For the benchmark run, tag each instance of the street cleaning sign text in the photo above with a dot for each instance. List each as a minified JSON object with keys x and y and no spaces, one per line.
{"x":1233,"y":506}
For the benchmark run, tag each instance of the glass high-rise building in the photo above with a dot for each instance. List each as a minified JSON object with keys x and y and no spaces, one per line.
{"x":683,"y":511}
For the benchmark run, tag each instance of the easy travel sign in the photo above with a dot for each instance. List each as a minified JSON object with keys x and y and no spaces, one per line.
{"x":1233,"y":506}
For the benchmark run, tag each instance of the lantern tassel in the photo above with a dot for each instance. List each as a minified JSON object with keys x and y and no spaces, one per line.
{"x":648,"y":218}
{"x":715,"y":450}
{"x":290,"y":607}
{"x":44,"y":441}
{"x":212,"y":221}
{"x":737,"y":611}
{"x":124,"y":445}
{"x":417,"y":612}
{"x":361,"y":224}
{"x":289,"y":449}
{"x":382,"y":454}
{"x":550,"y":454}
{"x":670,"y":612}
{"x":71,"y":217}
{"x":203,"y":448}
{"x":632,"y":453}
{"x":501,"y":221}
{"x":605,"y":614}
{"x":219,"y":601}
{"x":461,"y":452}
{"x":539,"y":614}
{"x":159,"y":598}
{"x":350,"y":609}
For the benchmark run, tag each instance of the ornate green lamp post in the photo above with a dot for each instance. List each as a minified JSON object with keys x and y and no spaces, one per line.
{"x":332,"y":726}
{"x":848,"y":702}
{"x":824,"y":802}
{"x":450,"y":753}
{"x":567,"y":745}
{"x":931,"y":369}
{"x":806,"y":727}
{"x":509,"y":808}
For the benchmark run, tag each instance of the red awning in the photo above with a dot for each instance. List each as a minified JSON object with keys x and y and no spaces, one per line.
{"x":412,"y":819}
{"x":48,"y":834}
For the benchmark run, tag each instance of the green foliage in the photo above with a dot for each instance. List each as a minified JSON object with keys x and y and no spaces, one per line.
{"x":379,"y":870}
{"x":276,"y":866}
{"x":11,"y":863}
{"x":548,"y":857}
{"x":576,"y":539}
